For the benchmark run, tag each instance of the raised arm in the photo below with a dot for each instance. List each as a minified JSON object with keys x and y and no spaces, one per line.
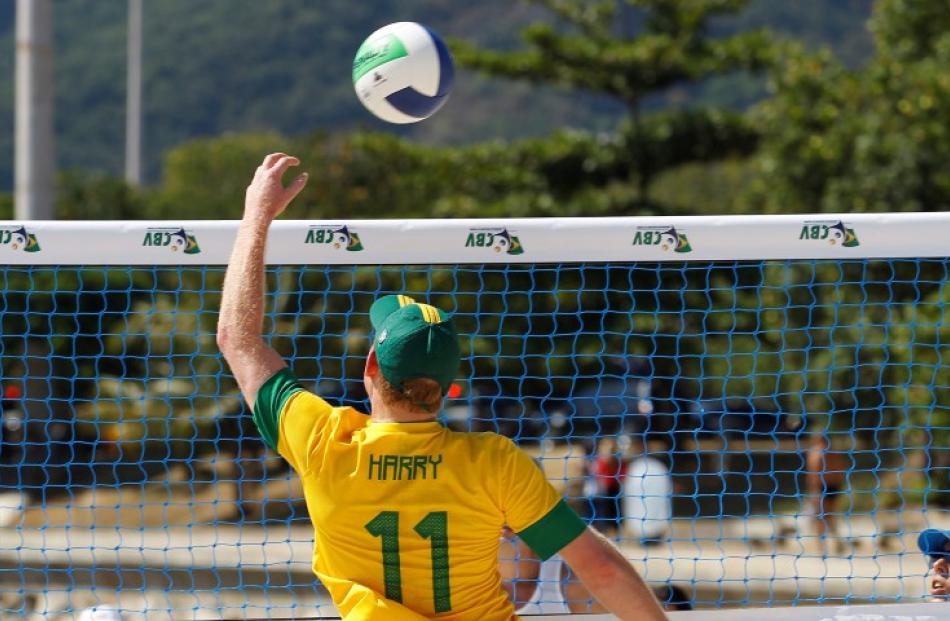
{"x":241,"y":320}
{"x":611,"y":579}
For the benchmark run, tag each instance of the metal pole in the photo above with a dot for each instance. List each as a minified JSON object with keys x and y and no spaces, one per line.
{"x":133,"y":114}
{"x":34,"y":150}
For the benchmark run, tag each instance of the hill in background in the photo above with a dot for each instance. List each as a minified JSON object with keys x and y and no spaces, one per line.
{"x":221,"y":66}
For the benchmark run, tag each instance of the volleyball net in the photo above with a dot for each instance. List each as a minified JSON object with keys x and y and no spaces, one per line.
{"x":757,"y":409}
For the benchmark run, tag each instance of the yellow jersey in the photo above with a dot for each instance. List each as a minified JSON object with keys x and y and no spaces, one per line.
{"x":407,"y":516}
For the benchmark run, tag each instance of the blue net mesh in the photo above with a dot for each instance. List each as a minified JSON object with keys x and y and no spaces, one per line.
{"x":753,"y":433}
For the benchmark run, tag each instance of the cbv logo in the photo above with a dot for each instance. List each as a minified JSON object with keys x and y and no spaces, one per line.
{"x":499,"y":240}
{"x":173,"y":239}
{"x":665,"y":237}
{"x":834,"y":232}
{"x":337,"y":237}
{"x":18,"y":238}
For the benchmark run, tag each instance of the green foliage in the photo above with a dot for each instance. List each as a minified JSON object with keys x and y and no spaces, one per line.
{"x":89,"y":197}
{"x":372,"y":175}
{"x":910,"y":30}
{"x":707,"y":188}
{"x":220,"y":66}
{"x":672,"y":48}
{"x":206,"y":179}
{"x":874,"y":139}
{"x":802,"y":135}
{"x":839,"y":25}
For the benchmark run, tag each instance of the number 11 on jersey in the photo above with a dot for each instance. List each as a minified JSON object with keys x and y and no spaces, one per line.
{"x":434,"y":527}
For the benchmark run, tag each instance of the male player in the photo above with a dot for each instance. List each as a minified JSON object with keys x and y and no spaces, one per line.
{"x":935,"y":544}
{"x":406,"y":513}
{"x":825,"y":481}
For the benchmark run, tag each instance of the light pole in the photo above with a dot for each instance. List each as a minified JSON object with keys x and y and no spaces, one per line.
{"x":35,"y":156}
{"x":133,"y":110}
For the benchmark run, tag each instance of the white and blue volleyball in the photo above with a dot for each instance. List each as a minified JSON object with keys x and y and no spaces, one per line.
{"x":403,"y":73}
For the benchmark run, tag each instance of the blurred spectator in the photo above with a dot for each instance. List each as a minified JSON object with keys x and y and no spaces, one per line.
{"x":648,"y":494}
{"x":935,"y":544}
{"x":825,"y":482}
{"x":35,"y":454}
{"x":12,"y":435}
{"x":673,"y":598}
{"x":608,"y":470}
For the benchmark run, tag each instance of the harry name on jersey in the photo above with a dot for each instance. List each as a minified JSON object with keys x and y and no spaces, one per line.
{"x":403,"y":467}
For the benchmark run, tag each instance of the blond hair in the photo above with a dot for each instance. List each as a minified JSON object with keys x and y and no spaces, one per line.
{"x":421,"y":394}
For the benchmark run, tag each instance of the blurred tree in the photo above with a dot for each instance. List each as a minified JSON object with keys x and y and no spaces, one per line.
{"x":922,"y":385}
{"x":873,"y":139}
{"x":206,"y":178}
{"x":633,"y":50}
{"x":910,"y":30}
{"x":95,"y":197}
{"x":221,"y":66}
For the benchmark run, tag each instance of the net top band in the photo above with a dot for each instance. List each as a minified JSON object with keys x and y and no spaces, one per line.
{"x":511,"y":241}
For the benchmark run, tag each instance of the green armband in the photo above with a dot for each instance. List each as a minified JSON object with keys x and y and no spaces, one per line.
{"x":555,"y":530}
{"x":271,"y":397}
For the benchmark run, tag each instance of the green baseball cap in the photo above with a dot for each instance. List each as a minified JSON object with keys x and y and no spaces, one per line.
{"x":414,"y":340}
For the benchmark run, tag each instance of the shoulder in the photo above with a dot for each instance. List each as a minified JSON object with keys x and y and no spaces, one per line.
{"x":344,"y":421}
{"x":303,"y":398}
{"x":306,"y":399}
{"x":482,"y":440}
{"x":307,"y":408}
{"x":486,"y":447}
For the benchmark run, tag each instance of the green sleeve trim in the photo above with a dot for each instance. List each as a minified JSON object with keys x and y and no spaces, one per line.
{"x":550,"y":534}
{"x":270,"y":401}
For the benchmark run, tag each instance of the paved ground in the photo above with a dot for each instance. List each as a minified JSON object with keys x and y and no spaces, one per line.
{"x":253,"y":572}
{"x":145,"y":548}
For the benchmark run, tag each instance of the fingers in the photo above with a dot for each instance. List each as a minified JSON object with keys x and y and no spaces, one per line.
{"x":271,"y":159}
{"x":278,"y":163}
{"x":296,"y":186}
{"x":268,"y":182}
{"x":281,"y":165}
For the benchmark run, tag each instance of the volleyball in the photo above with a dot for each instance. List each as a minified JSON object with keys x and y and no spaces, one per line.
{"x":403,"y":73}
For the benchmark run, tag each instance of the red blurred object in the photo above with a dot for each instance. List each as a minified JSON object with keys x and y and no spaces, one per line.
{"x":455,"y":391}
{"x":12,"y":392}
{"x":610,"y":473}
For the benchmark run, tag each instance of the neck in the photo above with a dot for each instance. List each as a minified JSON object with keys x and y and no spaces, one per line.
{"x":382,"y":413}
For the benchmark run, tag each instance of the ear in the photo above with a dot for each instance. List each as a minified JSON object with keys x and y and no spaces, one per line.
{"x":372,"y":364}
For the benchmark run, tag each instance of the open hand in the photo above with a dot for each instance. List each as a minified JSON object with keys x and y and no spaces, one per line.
{"x":267,"y":197}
